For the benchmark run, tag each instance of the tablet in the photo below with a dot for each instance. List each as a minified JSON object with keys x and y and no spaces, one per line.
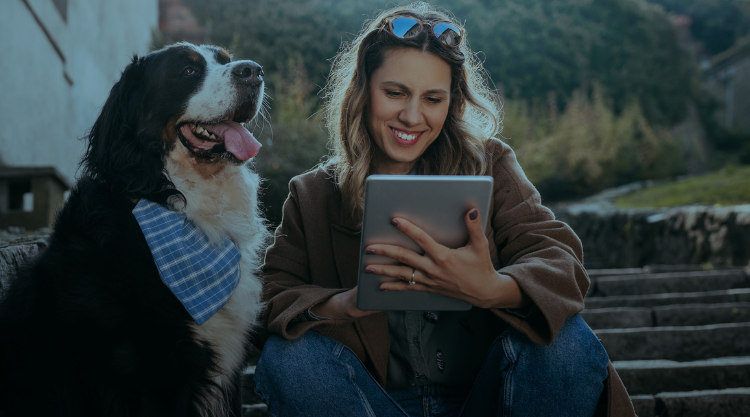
{"x":435,"y":203}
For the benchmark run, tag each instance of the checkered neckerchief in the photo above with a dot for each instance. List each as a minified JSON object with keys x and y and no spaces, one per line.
{"x":200,"y":275}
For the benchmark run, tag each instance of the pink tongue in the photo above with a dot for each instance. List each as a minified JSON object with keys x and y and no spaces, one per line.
{"x":237,"y":139}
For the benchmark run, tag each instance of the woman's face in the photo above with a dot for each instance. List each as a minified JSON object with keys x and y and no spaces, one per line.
{"x":409,"y":99}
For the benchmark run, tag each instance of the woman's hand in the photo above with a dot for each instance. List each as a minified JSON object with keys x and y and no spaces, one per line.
{"x":465,"y":273}
{"x":342,"y":306}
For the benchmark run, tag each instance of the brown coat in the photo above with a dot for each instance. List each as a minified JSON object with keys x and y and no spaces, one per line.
{"x":316,"y":254}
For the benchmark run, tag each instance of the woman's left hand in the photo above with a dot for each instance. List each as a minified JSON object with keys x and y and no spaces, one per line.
{"x":465,"y":273}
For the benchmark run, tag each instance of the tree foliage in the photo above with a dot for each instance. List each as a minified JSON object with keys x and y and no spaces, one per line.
{"x":613,"y":66}
{"x":716,"y":24}
{"x":531,"y":47}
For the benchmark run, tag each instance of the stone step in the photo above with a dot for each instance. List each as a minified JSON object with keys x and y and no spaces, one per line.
{"x":248,"y":387}
{"x":653,"y":300}
{"x":618,"y":317}
{"x":678,"y":343}
{"x":670,"y":282}
{"x":701,"y":314}
{"x":732,"y":402}
{"x":655,"y":269}
{"x":671,"y":315}
{"x":655,"y":376}
{"x":254,"y":410}
{"x":595,"y":273}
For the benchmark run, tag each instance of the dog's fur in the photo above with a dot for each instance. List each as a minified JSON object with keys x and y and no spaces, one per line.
{"x":88,"y":328}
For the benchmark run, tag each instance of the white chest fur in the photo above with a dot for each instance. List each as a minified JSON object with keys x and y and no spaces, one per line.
{"x":225,"y":204}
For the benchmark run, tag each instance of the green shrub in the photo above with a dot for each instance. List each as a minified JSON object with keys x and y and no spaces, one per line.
{"x":588,"y":147}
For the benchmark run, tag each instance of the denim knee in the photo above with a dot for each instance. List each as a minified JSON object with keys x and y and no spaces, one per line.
{"x":316,"y":375}
{"x":565,"y":378}
{"x":284,"y":364}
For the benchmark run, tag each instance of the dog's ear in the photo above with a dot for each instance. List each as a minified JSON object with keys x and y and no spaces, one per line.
{"x":120,"y":151}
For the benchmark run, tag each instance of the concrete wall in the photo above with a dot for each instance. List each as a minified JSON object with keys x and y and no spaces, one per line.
{"x":57,"y":73}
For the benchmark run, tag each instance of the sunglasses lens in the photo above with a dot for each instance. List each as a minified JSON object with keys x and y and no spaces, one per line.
{"x":405,"y":27}
{"x":447,"y":33}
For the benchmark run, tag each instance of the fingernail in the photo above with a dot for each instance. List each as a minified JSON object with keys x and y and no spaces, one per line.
{"x":369,"y":271}
{"x":394,"y":222}
{"x":384,"y":289}
{"x":473,"y":214}
{"x":369,"y":251}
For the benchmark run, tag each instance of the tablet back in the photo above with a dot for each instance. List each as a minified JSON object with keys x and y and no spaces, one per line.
{"x":435,"y":203}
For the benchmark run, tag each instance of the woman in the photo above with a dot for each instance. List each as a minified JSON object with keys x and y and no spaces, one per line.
{"x":408,"y":96}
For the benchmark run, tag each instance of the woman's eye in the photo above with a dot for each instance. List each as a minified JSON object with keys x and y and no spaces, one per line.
{"x":393,"y":93}
{"x":433,"y":100}
{"x":189,"y":71}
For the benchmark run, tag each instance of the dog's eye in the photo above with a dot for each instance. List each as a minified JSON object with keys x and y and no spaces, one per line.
{"x":189,"y":71}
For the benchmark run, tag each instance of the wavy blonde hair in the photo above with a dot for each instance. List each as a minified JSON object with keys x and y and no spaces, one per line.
{"x":474,"y":115}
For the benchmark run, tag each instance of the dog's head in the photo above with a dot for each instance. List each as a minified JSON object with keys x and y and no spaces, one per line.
{"x":184,"y":102}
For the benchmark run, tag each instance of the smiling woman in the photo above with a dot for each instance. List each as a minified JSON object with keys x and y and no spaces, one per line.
{"x":408,"y":96}
{"x":409,"y":100}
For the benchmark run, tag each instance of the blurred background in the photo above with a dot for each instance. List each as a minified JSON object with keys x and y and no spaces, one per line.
{"x":597,"y":94}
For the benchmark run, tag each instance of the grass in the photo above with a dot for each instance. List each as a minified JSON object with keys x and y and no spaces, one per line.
{"x":730,"y":186}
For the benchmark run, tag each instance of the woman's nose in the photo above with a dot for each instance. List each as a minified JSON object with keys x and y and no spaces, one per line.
{"x":411,"y":114}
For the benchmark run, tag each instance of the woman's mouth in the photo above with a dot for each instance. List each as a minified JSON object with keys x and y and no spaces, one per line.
{"x":405,"y":138}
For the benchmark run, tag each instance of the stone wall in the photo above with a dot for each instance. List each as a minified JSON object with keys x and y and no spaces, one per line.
{"x":16,"y":254}
{"x":615,"y":238}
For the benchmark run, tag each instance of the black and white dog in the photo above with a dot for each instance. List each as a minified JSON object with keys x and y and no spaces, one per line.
{"x":88,"y":328}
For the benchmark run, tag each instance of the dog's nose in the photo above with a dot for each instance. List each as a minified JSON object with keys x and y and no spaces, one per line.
{"x":247,"y":71}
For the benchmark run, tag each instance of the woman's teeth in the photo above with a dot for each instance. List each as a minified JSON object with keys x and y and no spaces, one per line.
{"x":404,"y":136}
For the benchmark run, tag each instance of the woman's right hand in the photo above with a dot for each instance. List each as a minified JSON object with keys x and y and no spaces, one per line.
{"x":342,"y":306}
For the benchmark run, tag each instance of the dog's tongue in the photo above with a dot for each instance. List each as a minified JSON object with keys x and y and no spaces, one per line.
{"x":237,"y":139}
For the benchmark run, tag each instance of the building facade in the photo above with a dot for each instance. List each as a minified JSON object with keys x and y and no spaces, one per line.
{"x":729,"y":80}
{"x":61,"y":58}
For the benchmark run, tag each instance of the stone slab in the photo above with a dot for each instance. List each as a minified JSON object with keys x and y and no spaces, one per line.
{"x":654,"y":300}
{"x":678,"y":343}
{"x":655,"y":376}
{"x":732,"y":402}
{"x":618,"y":317}
{"x":671,"y":282}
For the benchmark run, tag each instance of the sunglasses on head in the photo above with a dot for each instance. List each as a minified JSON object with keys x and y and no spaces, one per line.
{"x":406,"y":27}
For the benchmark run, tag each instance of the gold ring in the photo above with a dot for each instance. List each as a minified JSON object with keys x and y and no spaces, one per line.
{"x":412,"y":282}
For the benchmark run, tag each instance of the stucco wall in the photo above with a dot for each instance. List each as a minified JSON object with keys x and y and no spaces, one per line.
{"x":53,"y":84}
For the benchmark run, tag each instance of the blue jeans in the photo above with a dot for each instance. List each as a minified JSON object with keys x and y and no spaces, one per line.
{"x":318,"y":376}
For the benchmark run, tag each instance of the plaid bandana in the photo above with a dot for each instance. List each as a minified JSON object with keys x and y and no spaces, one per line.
{"x":200,"y":275}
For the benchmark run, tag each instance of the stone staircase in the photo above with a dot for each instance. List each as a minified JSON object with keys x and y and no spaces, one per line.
{"x":678,"y":336}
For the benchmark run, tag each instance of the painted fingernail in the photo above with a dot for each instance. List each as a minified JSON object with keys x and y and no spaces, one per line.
{"x":394,"y":222}
{"x":473,"y":214}
{"x":369,"y":271}
{"x":369,"y":251}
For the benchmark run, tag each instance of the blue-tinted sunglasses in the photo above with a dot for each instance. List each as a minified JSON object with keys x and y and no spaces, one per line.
{"x":406,"y":27}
